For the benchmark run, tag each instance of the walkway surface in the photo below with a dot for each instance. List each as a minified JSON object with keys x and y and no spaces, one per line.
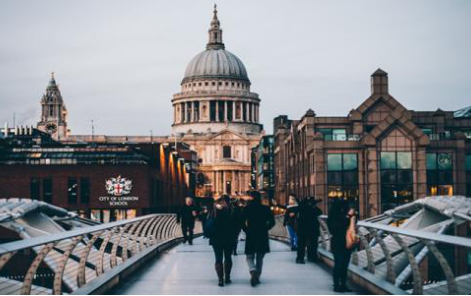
{"x":189,"y":269}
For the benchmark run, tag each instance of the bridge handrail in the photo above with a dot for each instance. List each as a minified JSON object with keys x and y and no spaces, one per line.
{"x":82,"y":259}
{"x":442,"y":238}
{"x":393,"y":246}
{"x":45,"y":239}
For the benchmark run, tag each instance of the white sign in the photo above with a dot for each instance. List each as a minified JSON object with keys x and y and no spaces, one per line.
{"x":119,"y":188}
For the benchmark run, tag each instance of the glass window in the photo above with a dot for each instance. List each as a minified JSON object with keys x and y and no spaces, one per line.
{"x":226,"y":152}
{"x":404,"y":160}
{"x":34,"y":188}
{"x":444,"y":161}
{"x":350,"y":161}
{"x":431,"y":161}
{"x":427,"y":131}
{"x":72,"y":190}
{"x":84,"y":190}
{"x":468,"y":162}
{"x":388,"y":160}
{"x":47,"y":190}
{"x":339,"y":135}
{"x":334,"y":162}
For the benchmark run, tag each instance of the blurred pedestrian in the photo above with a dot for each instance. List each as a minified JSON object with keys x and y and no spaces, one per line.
{"x":257,"y":221}
{"x":339,"y":220}
{"x":222,"y":237}
{"x":186,"y":216}
{"x":289,"y":221}
{"x":308,"y":230}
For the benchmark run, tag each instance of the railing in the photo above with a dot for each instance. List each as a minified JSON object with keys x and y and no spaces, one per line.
{"x":402,"y":261}
{"x":67,"y":262}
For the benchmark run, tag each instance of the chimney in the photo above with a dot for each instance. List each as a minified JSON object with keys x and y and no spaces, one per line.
{"x":379,"y":82}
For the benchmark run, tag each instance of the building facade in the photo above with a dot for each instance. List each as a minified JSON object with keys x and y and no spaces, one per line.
{"x":263,"y":171}
{"x":378,"y":156}
{"x":105,"y":182}
{"x":218,"y":116}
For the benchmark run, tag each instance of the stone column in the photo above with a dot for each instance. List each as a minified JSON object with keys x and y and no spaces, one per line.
{"x":216,"y":182}
{"x":225,"y":111}
{"x":247,"y":105}
{"x":192,"y":111}
{"x":224,"y":182}
{"x":233,"y":111}
{"x":217,"y":111}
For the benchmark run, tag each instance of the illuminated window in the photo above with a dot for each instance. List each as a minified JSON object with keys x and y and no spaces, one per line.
{"x":440,"y":174}
{"x":468,"y":175}
{"x":396,"y":179}
{"x":342,"y":177}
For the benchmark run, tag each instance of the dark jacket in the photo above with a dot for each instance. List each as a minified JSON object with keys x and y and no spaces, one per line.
{"x":185,"y":215}
{"x":307,"y":222}
{"x":256,"y":222}
{"x":288,"y":220}
{"x":224,"y":227}
{"x":338,"y":228}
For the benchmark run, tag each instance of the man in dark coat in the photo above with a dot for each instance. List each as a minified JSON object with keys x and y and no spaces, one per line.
{"x":308,"y":229}
{"x":257,"y":220}
{"x":186,"y":216}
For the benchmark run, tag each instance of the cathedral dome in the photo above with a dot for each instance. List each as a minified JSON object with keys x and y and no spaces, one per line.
{"x":216,"y":63}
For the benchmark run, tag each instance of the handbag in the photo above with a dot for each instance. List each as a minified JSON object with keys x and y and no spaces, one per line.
{"x":352,"y":238}
{"x":209,"y":227}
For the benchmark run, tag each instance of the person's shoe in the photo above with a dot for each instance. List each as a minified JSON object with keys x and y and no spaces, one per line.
{"x":227,"y":273}
{"x":254,"y":278}
{"x":300,"y":261}
{"x":220,"y":273}
{"x":337,"y":289}
{"x":293,"y":249}
{"x":191,"y":243}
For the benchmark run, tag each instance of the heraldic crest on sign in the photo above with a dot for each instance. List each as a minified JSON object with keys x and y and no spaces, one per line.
{"x":118,"y":186}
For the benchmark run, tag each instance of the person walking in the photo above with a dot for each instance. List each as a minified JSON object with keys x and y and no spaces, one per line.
{"x":222,"y":238}
{"x":238,"y":218}
{"x":340,"y":215}
{"x":307,"y":224}
{"x":256,"y":222}
{"x":289,"y":221}
{"x":186,"y":217}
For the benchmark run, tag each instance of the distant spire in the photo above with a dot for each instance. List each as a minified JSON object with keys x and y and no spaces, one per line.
{"x":52,"y":81}
{"x":215,"y":32}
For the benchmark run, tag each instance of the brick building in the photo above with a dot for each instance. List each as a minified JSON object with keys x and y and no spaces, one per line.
{"x":378,"y":156}
{"x":105,"y":182}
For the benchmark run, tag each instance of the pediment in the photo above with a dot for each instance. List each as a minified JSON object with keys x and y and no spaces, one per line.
{"x":227,"y":135}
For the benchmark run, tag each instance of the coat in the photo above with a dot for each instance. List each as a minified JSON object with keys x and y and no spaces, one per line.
{"x":338,"y":229}
{"x":288,"y":220}
{"x":185,"y":215}
{"x":308,"y":219}
{"x":256,"y":222}
{"x":224,"y":227}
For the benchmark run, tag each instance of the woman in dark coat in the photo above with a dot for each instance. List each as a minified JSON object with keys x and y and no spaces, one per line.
{"x":257,"y":221}
{"x":338,"y":223}
{"x":222,"y":238}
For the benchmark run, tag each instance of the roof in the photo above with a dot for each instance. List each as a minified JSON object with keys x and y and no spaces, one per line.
{"x":76,"y":155}
{"x":216,"y":63}
{"x":463,"y":113}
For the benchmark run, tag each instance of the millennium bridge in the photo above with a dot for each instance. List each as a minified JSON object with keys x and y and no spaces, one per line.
{"x":419,"y":248}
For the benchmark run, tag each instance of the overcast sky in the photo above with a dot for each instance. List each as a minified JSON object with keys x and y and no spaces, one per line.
{"x":120,"y":62}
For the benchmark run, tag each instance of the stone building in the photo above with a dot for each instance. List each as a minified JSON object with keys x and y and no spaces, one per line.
{"x":214,"y":114}
{"x":53,"y":112}
{"x":378,"y":156}
{"x":218,"y":116}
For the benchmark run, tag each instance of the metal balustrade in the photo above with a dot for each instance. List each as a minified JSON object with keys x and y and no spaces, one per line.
{"x":393,"y":259}
{"x":68,"y":261}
